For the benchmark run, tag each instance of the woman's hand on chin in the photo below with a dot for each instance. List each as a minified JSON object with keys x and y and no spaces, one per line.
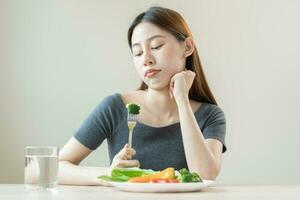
{"x":180,"y":84}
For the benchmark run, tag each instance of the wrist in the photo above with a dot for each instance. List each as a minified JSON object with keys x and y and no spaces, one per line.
{"x":182,"y":100}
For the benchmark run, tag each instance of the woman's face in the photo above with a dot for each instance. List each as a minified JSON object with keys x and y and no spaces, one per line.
{"x":157,"y":55}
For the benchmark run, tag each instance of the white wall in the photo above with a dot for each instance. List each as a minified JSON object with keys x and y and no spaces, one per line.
{"x":58,"y":59}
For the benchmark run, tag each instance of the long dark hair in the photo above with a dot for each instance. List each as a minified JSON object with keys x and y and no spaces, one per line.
{"x":174,"y":23}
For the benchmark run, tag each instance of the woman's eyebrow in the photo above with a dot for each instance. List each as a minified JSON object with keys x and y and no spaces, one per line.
{"x":149,"y":39}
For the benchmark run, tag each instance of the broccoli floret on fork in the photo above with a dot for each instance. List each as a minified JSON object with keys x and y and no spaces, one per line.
{"x":133,"y":110}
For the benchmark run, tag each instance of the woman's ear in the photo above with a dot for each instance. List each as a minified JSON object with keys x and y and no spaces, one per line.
{"x":189,"y":46}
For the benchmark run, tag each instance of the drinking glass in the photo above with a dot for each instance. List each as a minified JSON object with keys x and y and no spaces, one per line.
{"x":41,"y":167}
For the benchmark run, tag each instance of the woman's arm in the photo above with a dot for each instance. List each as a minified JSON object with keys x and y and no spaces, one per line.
{"x":71,"y":173}
{"x":203,"y":156}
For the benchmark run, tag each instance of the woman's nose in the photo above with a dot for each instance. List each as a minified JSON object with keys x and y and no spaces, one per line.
{"x":148,"y":59}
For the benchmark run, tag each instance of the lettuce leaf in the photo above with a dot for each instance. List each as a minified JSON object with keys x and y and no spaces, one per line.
{"x":124,"y":174}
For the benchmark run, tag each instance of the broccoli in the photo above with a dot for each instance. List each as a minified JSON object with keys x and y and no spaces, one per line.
{"x":184,"y":171}
{"x":196,"y":177}
{"x":186,"y":177}
{"x":133,"y":108}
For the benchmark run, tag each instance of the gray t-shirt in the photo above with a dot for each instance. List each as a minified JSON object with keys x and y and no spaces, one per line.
{"x":156,"y":148}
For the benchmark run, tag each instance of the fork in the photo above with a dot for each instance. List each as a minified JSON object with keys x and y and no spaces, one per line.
{"x":131,"y":122}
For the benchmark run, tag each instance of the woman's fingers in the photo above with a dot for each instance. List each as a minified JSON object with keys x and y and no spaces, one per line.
{"x":126,"y":153}
{"x":181,"y":82}
{"x":171,"y":86}
{"x":127,"y":163}
{"x":123,"y":158}
{"x":172,"y":82}
{"x":119,"y":163}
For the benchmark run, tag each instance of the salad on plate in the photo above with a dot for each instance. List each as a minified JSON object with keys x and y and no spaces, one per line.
{"x":137,"y":175}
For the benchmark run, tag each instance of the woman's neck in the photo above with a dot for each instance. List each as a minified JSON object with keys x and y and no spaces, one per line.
{"x":160,"y":103}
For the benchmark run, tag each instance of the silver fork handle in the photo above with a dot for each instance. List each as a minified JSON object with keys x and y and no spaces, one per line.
{"x":130,"y":139}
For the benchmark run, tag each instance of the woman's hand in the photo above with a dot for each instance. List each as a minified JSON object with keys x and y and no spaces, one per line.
{"x":181,"y":83}
{"x":123,"y":158}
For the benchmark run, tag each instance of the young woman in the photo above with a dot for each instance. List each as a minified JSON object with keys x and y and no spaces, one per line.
{"x":179,"y":125}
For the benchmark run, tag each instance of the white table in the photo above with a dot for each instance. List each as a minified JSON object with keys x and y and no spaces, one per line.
{"x":282,"y":192}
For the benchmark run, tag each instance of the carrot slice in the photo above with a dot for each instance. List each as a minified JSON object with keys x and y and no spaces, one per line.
{"x":168,"y":173}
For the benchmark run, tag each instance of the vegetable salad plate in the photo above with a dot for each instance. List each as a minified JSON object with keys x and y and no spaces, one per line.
{"x":161,"y":187}
{"x":147,"y":180}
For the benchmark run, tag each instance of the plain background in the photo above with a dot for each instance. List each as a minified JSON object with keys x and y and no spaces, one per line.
{"x":60,"y":58}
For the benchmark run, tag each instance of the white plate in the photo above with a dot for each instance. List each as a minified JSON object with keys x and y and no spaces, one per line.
{"x":161,"y":187}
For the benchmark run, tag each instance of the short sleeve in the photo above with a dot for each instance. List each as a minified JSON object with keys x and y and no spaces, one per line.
{"x":99,"y":125}
{"x":215,"y":126}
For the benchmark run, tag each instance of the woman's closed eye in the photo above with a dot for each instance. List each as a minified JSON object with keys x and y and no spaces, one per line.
{"x":138,"y":54}
{"x":157,"y":47}
{"x":153,"y":48}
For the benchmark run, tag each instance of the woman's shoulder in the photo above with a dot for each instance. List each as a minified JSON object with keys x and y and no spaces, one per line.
{"x":210,"y":111}
{"x":112,"y":100}
{"x":212,"y":108}
{"x":111,"y":103}
{"x":111,"y":106}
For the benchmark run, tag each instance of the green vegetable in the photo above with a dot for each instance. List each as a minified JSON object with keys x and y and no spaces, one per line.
{"x":188,"y":177}
{"x":124,"y":174}
{"x":133,"y":108}
{"x":109,"y":178}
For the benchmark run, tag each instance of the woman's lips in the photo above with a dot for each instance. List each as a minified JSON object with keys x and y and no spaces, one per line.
{"x":151,"y":73}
